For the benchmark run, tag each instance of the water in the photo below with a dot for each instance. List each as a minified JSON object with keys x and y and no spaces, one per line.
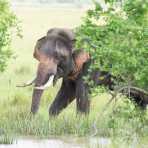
{"x":60,"y":143}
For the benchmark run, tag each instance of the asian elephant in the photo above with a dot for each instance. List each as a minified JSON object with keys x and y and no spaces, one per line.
{"x":55,"y":53}
{"x":57,"y":58}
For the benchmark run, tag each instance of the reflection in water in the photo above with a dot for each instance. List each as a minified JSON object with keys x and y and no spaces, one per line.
{"x":60,"y":143}
{"x":99,"y":142}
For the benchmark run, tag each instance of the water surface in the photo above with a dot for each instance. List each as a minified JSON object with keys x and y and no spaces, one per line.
{"x":65,"y":142}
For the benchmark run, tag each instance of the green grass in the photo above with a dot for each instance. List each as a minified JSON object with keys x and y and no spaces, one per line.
{"x":124,"y":124}
{"x":6,"y":139}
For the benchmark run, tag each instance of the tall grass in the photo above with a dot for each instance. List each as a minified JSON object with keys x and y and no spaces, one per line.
{"x":125,"y":120}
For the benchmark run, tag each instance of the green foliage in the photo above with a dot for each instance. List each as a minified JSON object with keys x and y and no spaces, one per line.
{"x":7,"y":22}
{"x":127,"y":120}
{"x":117,"y":40}
{"x":137,"y":10}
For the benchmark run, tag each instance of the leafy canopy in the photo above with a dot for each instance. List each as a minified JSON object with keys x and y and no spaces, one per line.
{"x":117,"y":40}
{"x":7,"y":22}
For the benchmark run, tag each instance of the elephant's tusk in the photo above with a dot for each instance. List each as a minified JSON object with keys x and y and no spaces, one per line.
{"x":46,"y":85}
{"x":27,"y":83}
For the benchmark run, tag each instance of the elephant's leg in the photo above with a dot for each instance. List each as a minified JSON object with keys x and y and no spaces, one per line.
{"x":83,"y":103}
{"x":64,"y":97}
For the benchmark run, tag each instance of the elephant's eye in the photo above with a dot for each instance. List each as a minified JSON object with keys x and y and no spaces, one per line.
{"x":59,"y":57}
{"x":64,"y":57}
{"x":56,"y":56}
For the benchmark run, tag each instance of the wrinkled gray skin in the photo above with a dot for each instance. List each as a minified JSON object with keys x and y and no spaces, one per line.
{"x":54,"y":53}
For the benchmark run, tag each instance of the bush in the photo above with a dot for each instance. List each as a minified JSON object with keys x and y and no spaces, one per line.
{"x":117,"y":40}
{"x":7,"y":21}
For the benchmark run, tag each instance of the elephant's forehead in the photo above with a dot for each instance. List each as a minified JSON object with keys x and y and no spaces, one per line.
{"x":48,"y":47}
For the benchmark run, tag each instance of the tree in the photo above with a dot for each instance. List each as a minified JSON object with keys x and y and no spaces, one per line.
{"x":117,"y":40}
{"x":7,"y":21}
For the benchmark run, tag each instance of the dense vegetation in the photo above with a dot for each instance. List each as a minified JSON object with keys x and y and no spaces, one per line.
{"x":7,"y":22}
{"x":117,"y":40}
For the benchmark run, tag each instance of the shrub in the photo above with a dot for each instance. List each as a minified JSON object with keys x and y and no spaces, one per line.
{"x":116,"y":39}
{"x":7,"y":21}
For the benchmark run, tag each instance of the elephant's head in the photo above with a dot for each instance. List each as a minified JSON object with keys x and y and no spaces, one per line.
{"x":54,"y":53}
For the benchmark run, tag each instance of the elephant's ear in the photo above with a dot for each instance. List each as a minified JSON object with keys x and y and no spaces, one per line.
{"x":80,"y":58}
{"x":37,"y":52}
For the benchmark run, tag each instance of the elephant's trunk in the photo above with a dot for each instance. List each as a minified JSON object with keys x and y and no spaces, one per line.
{"x":36,"y":100}
{"x":43,"y":75}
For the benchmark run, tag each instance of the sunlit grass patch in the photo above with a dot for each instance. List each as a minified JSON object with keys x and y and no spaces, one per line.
{"x":23,"y":70}
{"x":19,"y":99}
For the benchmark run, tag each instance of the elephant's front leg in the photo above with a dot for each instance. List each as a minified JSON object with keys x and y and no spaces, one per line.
{"x":64,"y":97}
{"x":83,"y":103}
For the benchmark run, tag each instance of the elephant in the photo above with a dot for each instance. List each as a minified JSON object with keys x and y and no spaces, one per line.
{"x":55,"y":53}
{"x":58,"y":59}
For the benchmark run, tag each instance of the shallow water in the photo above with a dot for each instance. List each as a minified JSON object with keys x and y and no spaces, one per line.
{"x":60,"y":143}
{"x":73,"y":142}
